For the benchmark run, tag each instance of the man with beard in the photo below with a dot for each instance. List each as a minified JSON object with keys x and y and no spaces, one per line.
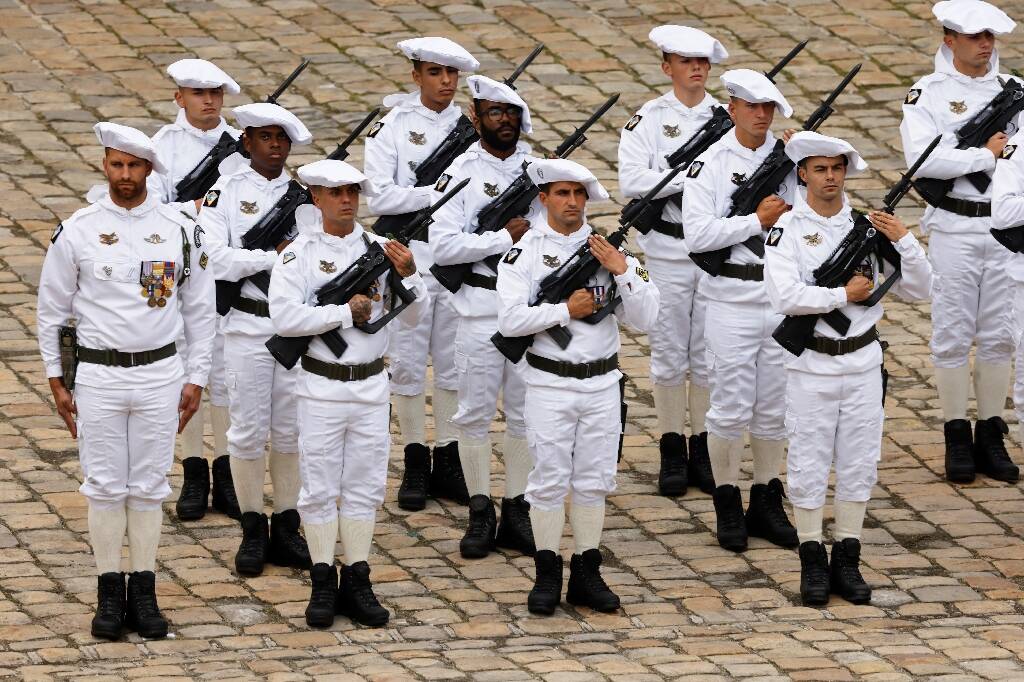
{"x":261,"y":391}
{"x":973,"y":287}
{"x":417,"y":123}
{"x":132,"y":391}
{"x":492,"y":163}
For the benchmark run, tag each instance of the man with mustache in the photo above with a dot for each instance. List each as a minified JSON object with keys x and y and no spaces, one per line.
{"x":492,"y":164}
{"x":973,"y":288}
{"x":417,"y":123}
{"x":261,"y":391}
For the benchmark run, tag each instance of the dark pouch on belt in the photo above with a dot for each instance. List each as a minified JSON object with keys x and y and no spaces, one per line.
{"x":885,"y":373}
{"x":623,"y":409}
{"x":67,"y":339}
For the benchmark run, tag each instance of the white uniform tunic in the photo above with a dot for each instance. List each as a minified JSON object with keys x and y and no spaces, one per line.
{"x":745,"y":363}
{"x":833,"y":403}
{"x":127,"y":417}
{"x":972,"y":282}
{"x":677,"y":340}
{"x":402,"y":139}
{"x":572,"y":425}
{"x":261,"y":392}
{"x":344,"y":439}
{"x":482,"y":369}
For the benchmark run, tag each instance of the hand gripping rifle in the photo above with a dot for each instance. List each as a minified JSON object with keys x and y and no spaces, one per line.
{"x":278,"y":223}
{"x":765,"y":181}
{"x":200,"y":179}
{"x":458,"y":140}
{"x":862,"y":241}
{"x":357,"y":279}
{"x":512,"y":203}
{"x":994,"y":118}
{"x":711,"y":132}
{"x":575,"y":273}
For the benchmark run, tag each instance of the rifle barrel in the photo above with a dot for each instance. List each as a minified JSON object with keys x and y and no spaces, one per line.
{"x":288,"y":81}
{"x":834,"y":95}
{"x":570,"y":143}
{"x":775,"y":70}
{"x":357,"y":131}
{"x":523,"y":65}
{"x":894,"y":195}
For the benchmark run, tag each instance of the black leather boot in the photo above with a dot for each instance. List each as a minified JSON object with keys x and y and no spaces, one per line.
{"x":108,"y":623}
{"x":287,"y":546}
{"x":672,"y":478}
{"x":846,"y":580}
{"x":700,"y":473}
{"x":412,"y":494}
{"x":252,"y":552}
{"x":586,"y":586}
{"x":959,"y":451}
{"x":224,"y":499}
{"x":766,"y":518}
{"x":515,"y":531}
{"x":446,"y":478}
{"x":356,"y":599}
{"x":323,"y":596}
{"x":195,"y":489}
{"x":547,"y":586}
{"x":990,"y":455}
{"x":814,"y":583}
{"x":478,"y":541}
{"x":142,"y":614}
{"x":732,"y":526}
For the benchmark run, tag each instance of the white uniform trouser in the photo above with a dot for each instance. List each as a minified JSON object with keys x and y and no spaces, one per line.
{"x":1018,"y":381}
{"x":574,"y":442}
{"x":677,"y":338}
{"x":343,"y":452}
{"x":216,"y":385}
{"x":833,"y":418}
{"x":971,"y":299}
{"x":262,"y":397}
{"x":745,"y":365}
{"x":434,"y":334}
{"x":483,"y":372}
{"x":126,"y":443}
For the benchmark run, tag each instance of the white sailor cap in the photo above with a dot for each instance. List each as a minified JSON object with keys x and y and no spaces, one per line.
{"x":543,"y":171}
{"x":439,"y":51}
{"x":972,"y":16}
{"x":808,"y":143}
{"x":199,"y":73}
{"x":333,"y":173}
{"x":753,"y":86}
{"x":688,"y":42}
{"x":129,"y":141}
{"x":260,"y":114}
{"x":482,"y":87}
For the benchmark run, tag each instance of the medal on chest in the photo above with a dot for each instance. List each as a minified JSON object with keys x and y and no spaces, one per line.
{"x":157,"y":280}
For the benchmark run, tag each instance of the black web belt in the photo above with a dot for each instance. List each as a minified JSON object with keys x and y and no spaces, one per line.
{"x":572,"y":370}
{"x":251,"y":306}
{"x":116,"y":358}
{"x":843,"y":346}
{"x":968,"y":209}
{"x":338,"y":372}
{"x":667,"y":228}
{"x":752,"y":272}
{"x":475,"y":279}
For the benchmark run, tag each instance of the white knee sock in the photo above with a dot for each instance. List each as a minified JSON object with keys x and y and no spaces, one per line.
{"x":725,"y":459}
{"x":547,"y":527}
{"x":587,"y":522}
{"x":991,"y":384}
{"x":670,"y":404}
{"x":952,"y":384}
{"x":808,"y":523}
{"x":284,"y":475}
{"x":768,"y":456}
{"x":356,"y":537}
{"x":321,"y":538}
{"x":849,"y":519}
{"x":220,"y":420}
{"x":106,"y":534}
{"x":475,"y":456}
{"x":411,"y":410}
{"x":144,"y":538}
{"x":700,"y":403}
{"x":191,"y":439}
{"x":445,"y":404}
{"x":518,"y":465}
{"x":248,"y":476}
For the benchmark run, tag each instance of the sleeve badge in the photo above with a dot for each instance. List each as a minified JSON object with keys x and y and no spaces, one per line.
{"x":913,"y":96}
{"x":442,"y":182}
{"x":511,"y":256}
{"x":56,"y":233}
{"x":634,"y":122}
{"x":643,"y":274}
{"x":288,"y":257}
{"x":695,"y":169}
{"x":1008,"y":151}
{"x":211,"y":198}
{"x":375,"y":129}
{"x":774,"y":236}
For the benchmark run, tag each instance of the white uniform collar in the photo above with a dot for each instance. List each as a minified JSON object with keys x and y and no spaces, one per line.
{"x":545,"y":230}
{"x":181,"y":123}
{"x":944,"y":64}
{"x":522,"y":149}
{"x":151,"y":202}
{"x":670,"y":100}
{"x":248,"y":171}
{"x":410,"y":101}
{"x":801,"y":209}
{"x":354,"y":237}
{"x":746,"y":152}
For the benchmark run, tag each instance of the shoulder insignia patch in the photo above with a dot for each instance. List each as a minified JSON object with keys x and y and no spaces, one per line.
{"x":56,"y":233}
{"x":288,"y":257}
{"x":774,"y":236}
{"x":442,"y":182}
{"x":203,"y":260}
{"x":1008,"y":151}
{"x":211,"y":198}
{"x":195,"y":236}
{"x":511,"y":256}
{"x":375,"y":129}
{"x":913,"y":96}
{"x":695,"y":169}
{"x":643,"y":274}
{"x":634,"y":122}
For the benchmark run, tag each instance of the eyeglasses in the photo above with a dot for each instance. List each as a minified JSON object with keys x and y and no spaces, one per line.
{"x":495,"y":113}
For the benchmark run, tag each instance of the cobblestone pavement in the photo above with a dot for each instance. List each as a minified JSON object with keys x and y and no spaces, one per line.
{"x":945,"y":561}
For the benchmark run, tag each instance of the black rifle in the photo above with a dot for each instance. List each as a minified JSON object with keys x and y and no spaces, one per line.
{"x":513,"y":202}
{"x":200,"y":179}
{"x":764,"y":182}
{"x":862,"y":241}
{"x":994,"y":118}
{"x":278,"y":223}
{"x":575,"y":273}
{"x":711,"y":132}
{"x":357,"y":279}
{"x":457,"y":141}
